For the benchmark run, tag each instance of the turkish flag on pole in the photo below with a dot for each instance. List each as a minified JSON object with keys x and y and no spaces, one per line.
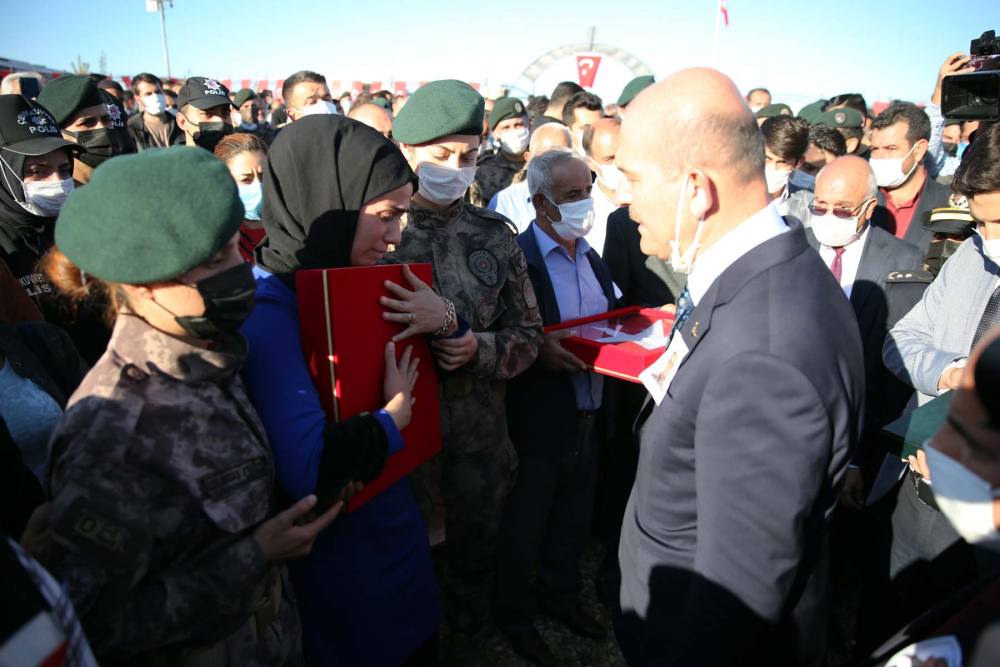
{"x":399,"y":88}
{"x":262,"y":84}
{"x":724,"y":11}
{"x":374,"y":86}
{"x":586,"y":69}
{"x":244,"y":83}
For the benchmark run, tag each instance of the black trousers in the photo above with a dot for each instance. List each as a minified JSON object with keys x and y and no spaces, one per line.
{"x":547,"y":520}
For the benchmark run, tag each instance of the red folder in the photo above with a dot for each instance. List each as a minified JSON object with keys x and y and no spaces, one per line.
{"x":621,"y":360}
{"x":344,"y":339}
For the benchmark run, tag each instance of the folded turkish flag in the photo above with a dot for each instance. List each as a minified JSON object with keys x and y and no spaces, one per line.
{"x":344,"y":339}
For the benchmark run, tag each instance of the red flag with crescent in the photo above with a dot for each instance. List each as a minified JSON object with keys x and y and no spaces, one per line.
{"x":586,"y":69}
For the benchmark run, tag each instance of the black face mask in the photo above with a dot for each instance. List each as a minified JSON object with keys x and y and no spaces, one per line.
{"x":938,"y":253}
{"x":99,"y":144}
{"x":950,"y":148}
{"x":208,"y":135}
{"x":229,"y":300}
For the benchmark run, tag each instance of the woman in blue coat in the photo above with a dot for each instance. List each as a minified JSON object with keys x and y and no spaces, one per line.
{"x":334,"y":194}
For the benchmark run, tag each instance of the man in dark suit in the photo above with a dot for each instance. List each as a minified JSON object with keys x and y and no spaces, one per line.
{"x":862,"y":257}
{"x":643,"y":279}
{"x":900,"y":135}
{"x":756,"y":403}
{"x":557,"y":413}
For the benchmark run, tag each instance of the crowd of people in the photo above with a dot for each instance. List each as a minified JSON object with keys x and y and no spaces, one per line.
{"x":175,"y":493}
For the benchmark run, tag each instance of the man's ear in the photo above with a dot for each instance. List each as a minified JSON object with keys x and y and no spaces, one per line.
{"x":852,"y":145}
{"x":182,"y":120}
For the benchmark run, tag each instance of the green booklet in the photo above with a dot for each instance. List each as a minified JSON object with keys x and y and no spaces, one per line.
{"x":908,"y":434}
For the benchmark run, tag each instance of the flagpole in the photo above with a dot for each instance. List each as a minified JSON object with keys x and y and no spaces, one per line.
{"x":715,"y":41}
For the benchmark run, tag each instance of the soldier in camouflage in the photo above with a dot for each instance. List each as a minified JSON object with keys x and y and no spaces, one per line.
{"x":478,"y":265}
{"x":161,"y":473}
{"x":252,"y":116}
{"x":509,"y":125}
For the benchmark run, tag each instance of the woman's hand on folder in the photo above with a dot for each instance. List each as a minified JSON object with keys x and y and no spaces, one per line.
{"x":422,"y":309}
{"x":399,"y":381}
{"x":453,"y":353}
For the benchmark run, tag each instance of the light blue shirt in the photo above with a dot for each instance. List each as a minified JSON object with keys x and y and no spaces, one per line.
{"x":31,"y":416}
{"x":515,"y":203}
{"x":578,"y":294}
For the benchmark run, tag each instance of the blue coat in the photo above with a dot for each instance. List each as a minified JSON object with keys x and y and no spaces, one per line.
{"x":366,"y":593}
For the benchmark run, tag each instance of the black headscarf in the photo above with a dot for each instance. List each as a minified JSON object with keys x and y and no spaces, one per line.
{"x":19,"y":227}
{"x":320,"y":171}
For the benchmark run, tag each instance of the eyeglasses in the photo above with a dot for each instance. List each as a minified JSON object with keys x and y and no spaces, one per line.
{"x":842,"y":213}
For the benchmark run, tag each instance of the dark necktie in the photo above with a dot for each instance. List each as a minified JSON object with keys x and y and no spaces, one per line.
{"x":990,"y":318}
{"x":684,"y":307}
{"x":838,"y":264}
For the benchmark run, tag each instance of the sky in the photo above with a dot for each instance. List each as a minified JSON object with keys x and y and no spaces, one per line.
{"x":799,"y":49}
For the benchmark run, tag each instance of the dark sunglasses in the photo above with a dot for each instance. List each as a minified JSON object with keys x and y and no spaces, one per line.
{"x":842,"y":213}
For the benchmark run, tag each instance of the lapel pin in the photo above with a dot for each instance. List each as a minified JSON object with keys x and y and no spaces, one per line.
{"x":694,"y":329}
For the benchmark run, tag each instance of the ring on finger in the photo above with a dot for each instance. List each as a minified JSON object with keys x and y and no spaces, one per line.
{"x":413,"y":317}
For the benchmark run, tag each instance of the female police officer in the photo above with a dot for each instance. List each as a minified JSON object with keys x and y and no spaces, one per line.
{"x":161,"y":472}
{"x":477,"y":265}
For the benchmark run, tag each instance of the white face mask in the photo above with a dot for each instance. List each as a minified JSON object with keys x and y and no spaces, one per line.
{"x":756,"y":108}
{"x":443,"y":185}
{"x":834,"y":232}
{"x":172,"y":111}
{"x":776,"y":179}
{"x":577,"y":218}
{"x":889,"y":171}
{"x":321,"y":108}
{"x":41,"y":198}
{"x":965,"y":498}
{"x":991,"y":247}
{"x":678,"y":262}
{"x":154,"y":104}
{"x":800,"y":179}
{"x":515,"y":142}
{"x":610,"y":176}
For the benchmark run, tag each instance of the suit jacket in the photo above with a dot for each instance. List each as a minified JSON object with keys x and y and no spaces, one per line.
{"x":939,"y":330}
{"x":541,"y":405}
{"x":934,"y":195}
{"x":643,"y":280}
{"x":885,"y":396}
{"x":724,"y":544}
{"x":798,"y":205}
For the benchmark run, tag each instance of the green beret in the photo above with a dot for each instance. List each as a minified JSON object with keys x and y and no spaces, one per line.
{"x":839,"y":118}
{"x":772,"y":110}
{"x":811,"y":111}
{"x":151,"y":216}
{"x":633,"y":88}
{"x":381,"y":101}
{"x":65,"y":95}
{"x":438,"y":109}
{"x":242,"y":96}
{"x":504,"y":108}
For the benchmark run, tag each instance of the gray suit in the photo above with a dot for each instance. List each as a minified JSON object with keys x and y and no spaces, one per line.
{"x":939,"y":329}
{"x":798,"y":206}
{"x":724,"y":544}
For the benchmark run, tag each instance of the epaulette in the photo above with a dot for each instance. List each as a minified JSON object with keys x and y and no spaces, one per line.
{"x":487,"y":214}
{"x":910,"y":276}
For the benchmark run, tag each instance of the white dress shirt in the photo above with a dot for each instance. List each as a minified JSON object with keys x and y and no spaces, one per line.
{"x":709,"y":264}
{"x":782,"y":202}
{"x":603,"y":207}
{"x":849,"y":262}
{"x":514,"y":202}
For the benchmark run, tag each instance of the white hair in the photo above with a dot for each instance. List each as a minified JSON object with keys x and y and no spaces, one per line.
{"x":7,"y":85}
{"x":539,"y":135}
{"x":871,"y":192}
{"x":540,"y":168}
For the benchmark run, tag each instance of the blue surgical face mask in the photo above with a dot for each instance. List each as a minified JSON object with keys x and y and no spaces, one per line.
{"x":252,"y":197}
{"x":961,"y":147}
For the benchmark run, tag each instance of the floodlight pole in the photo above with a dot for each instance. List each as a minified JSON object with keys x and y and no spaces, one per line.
{"x":163,"y":33}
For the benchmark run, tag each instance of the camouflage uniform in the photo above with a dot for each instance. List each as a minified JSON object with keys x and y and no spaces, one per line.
{"x":161,"y":470}
{"x":479,"y":266}
{"x":495,"y":173}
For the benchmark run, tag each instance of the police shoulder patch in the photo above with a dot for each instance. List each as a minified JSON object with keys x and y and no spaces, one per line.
{"x":100,"y":535}
{"x":484,"y":266}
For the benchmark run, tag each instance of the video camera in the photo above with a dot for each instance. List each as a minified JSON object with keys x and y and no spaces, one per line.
{"x":976,"y":95}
